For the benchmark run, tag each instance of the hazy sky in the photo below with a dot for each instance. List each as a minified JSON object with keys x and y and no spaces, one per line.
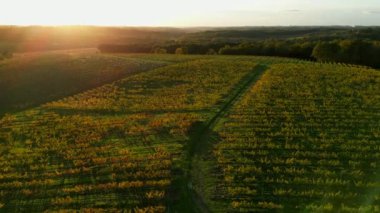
{"x":190,"y":12}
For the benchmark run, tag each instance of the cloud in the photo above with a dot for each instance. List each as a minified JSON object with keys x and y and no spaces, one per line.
{"x":372,"y":12}
{"x":293,"y":11}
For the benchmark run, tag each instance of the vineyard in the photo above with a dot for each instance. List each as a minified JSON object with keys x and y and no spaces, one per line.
{"x":169,"y":133}
{"x":118,"y":146}
{"x":304,"y":138}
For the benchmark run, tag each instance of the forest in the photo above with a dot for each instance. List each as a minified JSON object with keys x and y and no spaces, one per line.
{"x":341,"y":51}
{"x":342,"y":44}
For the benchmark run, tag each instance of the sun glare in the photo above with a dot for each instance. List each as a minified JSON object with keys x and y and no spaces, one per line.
{"x":114,"y":12}
{"x":187,"y":13}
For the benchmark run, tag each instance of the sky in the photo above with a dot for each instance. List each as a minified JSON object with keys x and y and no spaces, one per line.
{"x":188,"y":13}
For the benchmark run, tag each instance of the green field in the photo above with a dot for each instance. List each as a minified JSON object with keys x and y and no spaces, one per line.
{"x":304,"y":138}
{"x":31,"y":79}
{"x":91,"y":132}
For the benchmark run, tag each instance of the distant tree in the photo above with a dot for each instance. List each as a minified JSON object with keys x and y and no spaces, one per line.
{"x":125,"y":48}
{"x":326,"y":51}
{"x":225,"y":50}
{"x":374,"y":55}
{"x":349,"y":51}
{"x":306,"y":50}
{"x":211,"y":52}
{"x":181,"y":50}
{"x":160,"y":51}
{"x":269,"y":48}
{"x":282,"y":49}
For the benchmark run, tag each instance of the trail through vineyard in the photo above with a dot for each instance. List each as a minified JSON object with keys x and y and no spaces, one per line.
{"x":202,"y":138}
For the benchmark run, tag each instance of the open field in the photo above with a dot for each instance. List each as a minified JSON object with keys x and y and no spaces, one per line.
{"x":171,"y":133}
{"x":31,"y":79}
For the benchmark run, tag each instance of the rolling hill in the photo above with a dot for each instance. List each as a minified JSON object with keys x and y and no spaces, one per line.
{"x":169,"y":133}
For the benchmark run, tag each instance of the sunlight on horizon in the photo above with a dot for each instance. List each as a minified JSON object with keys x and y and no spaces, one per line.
{"x":189,"y":13}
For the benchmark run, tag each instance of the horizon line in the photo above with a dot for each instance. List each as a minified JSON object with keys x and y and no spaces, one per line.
{"x":178,"y":26}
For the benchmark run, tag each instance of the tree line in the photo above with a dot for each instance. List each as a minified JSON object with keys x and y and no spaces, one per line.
{"x":293,"y":49}
{"x":170,"y":48}
{"x":348,"y":51}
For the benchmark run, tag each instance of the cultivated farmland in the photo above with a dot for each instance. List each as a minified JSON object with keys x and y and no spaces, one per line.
{"x":169,"y":133}
{"x":305,"y":137}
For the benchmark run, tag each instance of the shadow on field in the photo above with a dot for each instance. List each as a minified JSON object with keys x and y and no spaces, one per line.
{"x":192,"y":186}
{"x":198,"y":184}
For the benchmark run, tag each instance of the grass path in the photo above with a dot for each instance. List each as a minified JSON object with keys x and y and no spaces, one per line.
{"x":195,"y":176}
{"x":234,"y":97}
